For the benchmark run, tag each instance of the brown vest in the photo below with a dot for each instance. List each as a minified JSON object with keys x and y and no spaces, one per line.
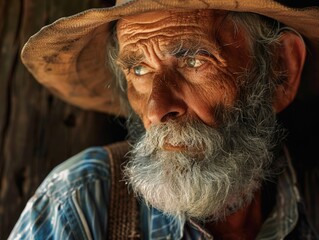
{"x":123,"y":214}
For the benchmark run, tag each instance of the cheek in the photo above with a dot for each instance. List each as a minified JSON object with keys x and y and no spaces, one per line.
{"x":135,"y":99}
{"x":141,"y":85}
{"x":213,"y":93}
{"x":217,"y":87}
{"x":223,"y":91}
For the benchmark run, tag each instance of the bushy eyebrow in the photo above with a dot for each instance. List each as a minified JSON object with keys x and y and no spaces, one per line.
{"x":129,"y":59}
{"x":193,"y":48}
{"x":191,"y":52}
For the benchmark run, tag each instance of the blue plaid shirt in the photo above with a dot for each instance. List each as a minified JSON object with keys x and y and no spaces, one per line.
{"x":72,"y":203}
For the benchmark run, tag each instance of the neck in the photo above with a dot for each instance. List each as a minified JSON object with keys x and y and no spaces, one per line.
{"x":244,"y":224}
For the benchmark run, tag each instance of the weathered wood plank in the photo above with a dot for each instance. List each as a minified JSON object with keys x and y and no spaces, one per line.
{"x":37,"y":131}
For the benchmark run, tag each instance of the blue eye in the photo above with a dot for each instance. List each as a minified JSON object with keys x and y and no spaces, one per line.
{"x":140,"y":70}
{"x":193,"y":62}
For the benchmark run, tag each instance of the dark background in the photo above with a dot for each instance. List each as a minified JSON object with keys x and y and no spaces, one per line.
{"x":37,"y":130}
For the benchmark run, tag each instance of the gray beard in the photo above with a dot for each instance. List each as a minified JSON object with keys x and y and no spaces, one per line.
{"x":219,"y":170}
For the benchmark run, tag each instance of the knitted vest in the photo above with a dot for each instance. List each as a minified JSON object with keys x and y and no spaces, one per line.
{"x":123,"y":209}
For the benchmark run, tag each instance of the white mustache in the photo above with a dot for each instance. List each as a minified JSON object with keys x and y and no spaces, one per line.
{"x":188,"y":136}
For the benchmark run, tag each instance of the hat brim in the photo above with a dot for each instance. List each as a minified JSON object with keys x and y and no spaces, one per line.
{"x":69,"y":55}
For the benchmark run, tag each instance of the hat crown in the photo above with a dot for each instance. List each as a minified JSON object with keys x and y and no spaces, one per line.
{"x":120,"y":2}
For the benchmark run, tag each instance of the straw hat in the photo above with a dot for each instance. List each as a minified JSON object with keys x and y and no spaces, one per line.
{"x":68,"y":56}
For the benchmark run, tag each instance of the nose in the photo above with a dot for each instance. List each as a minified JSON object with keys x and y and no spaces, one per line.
{"x":165,"y":102}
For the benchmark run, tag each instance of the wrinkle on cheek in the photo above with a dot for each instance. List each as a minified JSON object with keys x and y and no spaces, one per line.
{"x":222,"y":89}
{"x":201,"y":103}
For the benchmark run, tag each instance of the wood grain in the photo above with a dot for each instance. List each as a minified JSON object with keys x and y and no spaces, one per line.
{"x":37,"y":130}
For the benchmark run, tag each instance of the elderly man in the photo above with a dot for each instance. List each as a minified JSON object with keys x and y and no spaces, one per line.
{"x":201,"y":86}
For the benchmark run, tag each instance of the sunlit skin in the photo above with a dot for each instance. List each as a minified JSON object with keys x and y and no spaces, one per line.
{"x":162,"y":85}
{"x":183,"y":65}
{"x":178,"y":65}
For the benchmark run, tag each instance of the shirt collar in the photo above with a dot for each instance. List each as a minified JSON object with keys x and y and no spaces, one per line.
{"x":164,"y":226}
{"x":284,"y":216}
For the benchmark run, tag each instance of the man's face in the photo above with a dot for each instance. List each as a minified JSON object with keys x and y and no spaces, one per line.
{"x":181,"y":64}
{"x":209,"y":130}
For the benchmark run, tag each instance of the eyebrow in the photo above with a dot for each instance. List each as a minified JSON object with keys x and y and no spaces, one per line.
{"x":180,"y":49}
{"x":193,"y":48}
{"x":129,"y":59}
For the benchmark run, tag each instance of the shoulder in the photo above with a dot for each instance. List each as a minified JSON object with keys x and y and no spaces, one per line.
{"x":86,"y":167}
{"x":71,"y":201}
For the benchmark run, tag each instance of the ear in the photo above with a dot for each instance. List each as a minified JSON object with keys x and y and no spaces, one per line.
{"x":292,"y":54}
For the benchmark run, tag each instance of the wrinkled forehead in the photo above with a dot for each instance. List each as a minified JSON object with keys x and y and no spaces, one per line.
{"x":167,"y":25}
{"x":180,"y":16}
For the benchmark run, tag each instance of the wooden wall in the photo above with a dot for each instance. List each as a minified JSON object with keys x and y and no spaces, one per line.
{"x":37,"y":131}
